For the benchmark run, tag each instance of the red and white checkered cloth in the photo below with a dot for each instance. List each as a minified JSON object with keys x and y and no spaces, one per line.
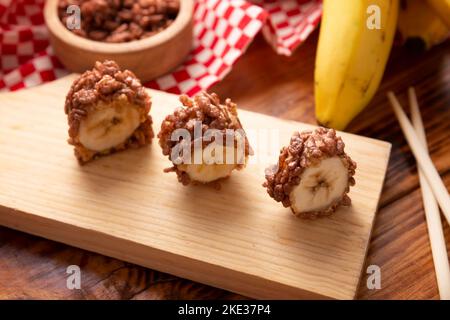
{"x":223,"y":29}
{"x":290,"y":22}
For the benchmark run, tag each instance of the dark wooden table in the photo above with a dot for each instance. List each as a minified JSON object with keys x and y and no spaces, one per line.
{"x":32,"y":267}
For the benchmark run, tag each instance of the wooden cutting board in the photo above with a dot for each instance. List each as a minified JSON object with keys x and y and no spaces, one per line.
{"x":124,"y":206}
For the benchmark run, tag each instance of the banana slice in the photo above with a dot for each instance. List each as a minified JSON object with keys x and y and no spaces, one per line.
{"x":320,"y":186}
{"x":206,"y":173}
{"x":109,"y":125}
{"x":213,"y":169}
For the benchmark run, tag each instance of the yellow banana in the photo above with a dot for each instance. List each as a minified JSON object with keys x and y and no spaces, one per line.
{"x":442,"y":9}
{"x":418,"y":21}
{"x":351,"y":57}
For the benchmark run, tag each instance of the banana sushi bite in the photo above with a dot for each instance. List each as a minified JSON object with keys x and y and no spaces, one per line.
{"x":107,"y":111}
{"x":313,"y":174}
{"x":204,"y":139}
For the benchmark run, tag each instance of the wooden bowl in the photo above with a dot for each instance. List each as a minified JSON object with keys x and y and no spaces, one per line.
{"x":147,"y":58}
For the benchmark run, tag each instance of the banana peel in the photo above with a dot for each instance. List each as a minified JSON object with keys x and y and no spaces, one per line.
{"x":351,"y":58}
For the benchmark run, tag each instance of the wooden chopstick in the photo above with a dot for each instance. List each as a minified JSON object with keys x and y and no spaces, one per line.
{"x":435,"y":230}
{"x":422,"y":158}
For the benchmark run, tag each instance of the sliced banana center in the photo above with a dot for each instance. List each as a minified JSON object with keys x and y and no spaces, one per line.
{"x":213,"y":168}
{"x":320,"y":186}
{"x":109,"y":125}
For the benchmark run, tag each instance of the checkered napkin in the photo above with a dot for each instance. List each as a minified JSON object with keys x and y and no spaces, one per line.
{"x":223,"y":29}
{"x":289,"y":22}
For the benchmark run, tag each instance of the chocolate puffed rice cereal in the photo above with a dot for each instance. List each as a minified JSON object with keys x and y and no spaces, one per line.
{"x":107,"y":111}
{"x":204,"y":139}
{"x":119,"y":20}
{"x":313,"y":174}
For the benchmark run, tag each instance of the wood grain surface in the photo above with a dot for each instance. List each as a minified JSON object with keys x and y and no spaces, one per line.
{"x":31,"y":267}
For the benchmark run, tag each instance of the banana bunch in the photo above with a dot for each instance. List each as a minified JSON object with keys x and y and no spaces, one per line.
{"x":354,"y":45}
{"x":420,"y":21}
{"x":442,"y":9}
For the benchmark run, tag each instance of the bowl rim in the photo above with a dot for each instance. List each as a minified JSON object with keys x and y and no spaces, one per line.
{"x":56,"y":27}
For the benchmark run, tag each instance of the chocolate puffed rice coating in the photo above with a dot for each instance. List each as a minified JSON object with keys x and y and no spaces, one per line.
{"x":307,"y":149}
{"x":108,"y":84}
{"x":207,"y":109}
